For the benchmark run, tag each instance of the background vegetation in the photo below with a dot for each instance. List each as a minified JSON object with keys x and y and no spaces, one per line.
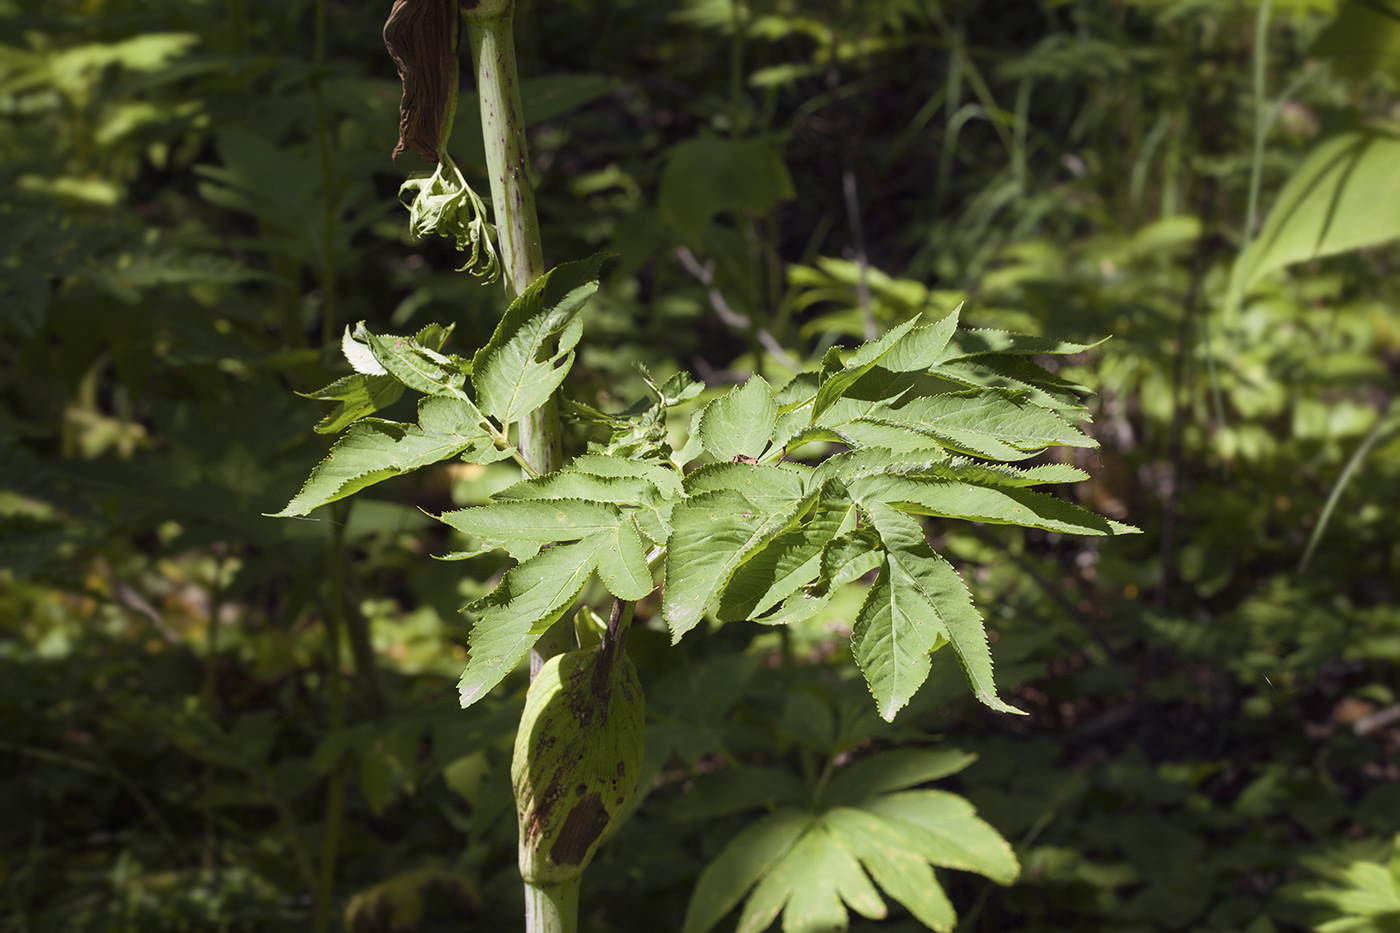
{"x":216,"y":720}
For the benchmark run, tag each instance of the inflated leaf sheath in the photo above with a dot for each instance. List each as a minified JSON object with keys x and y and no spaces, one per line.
{"x":422,"y":37}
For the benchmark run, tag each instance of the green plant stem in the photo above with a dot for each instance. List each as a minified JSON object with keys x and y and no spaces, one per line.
{"x":1388,"y":420}
{"x":513,"y":200}
{"x":328,"y":217}
{"x":490,"y":36}
{"x":1262,"y":120}
{"x":335,"y":698}
{"x":552,"y":908}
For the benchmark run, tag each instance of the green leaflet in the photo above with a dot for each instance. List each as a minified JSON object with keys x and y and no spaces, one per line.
{"x":530,"y":598}
{"x":510,"y":379}
{"x":374,"y":450}
{"x":874,"y":461}
{"x":845,"y":559}
{"x":1000,"y":474}
{"x":899,"y":355}
{"x":895,"y":864}
{"x":746,"y":860}
{"x":1000,"y":505}
{"x":716,"y":530}
{"x":770,"y":487}
{"x":894,"y":770}
{"x":372,"y":387}
{"x":359,"y":396}
{"x":663,"y":477}
{"x":945,"y":829}
{"x":648,"y":487}
{"x":1004,"y":371}
{"x":864,"y":360}
{"x":789,"y":562}
{"x":989,"y":423}
{"x":417,"y":366}
{"x":739,"y":424}
{"x":612,"y":540}
{"x":981,"y":342}
{"x":812,"y":884}
{"x":917,"y":604}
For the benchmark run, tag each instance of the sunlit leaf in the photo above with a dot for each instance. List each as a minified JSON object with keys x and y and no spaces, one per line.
{"x":510,"y":379}
{"x":740,"y":423}
{"x":1329,"y":206}
{"x":918,"y":604}
{"x":373,"y":450}
{"x":530,"y":598}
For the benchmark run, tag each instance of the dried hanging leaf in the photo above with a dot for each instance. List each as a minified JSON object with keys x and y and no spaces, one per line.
{"x":422,"y":38}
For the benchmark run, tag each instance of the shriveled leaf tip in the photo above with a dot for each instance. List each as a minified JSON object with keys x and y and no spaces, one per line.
{"x":422,"y":38}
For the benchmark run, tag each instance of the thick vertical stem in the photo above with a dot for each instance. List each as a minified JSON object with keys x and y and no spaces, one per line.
{"x":552,"y":908}
{"x":549,"y":908}
{"x":513,"y":200}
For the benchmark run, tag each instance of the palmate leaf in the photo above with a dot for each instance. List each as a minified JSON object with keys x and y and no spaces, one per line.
{"x":374,"y":450}
{"x":511,"y":379}
{"x":810,"y":866}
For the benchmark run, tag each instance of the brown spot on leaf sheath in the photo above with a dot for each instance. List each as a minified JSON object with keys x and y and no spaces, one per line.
{"x":422,"y":38}
{"x":584,"y":824}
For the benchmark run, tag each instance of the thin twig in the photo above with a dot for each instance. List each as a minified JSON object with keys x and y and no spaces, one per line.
{"x":706,"y":276}
{"x":848,"y":186}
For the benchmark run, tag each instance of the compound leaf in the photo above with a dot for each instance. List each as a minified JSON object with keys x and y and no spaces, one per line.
{"x":895,"y":863}
{"x":374,"y":450}
{"x":530,"y":598}
{"x":510,"y":378}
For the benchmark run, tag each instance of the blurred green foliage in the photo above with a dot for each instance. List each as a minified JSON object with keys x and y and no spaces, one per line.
{"x":196,"y":199}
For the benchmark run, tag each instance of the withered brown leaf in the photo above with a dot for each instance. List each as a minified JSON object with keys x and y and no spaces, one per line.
{"x":422,"y":38}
